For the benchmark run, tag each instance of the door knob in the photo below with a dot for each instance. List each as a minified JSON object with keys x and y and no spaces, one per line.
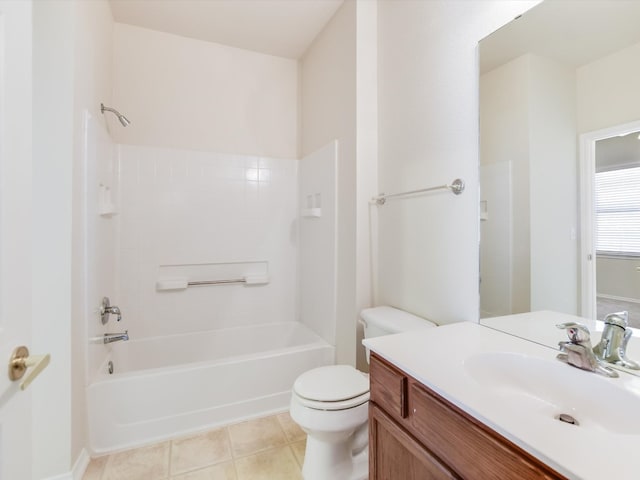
{"x":20,"y":361}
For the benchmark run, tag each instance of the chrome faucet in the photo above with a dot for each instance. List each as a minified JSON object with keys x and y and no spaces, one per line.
{"x":578,"y":352}
{"x":615,"y":338}
{"x":116,"y":337}
{"x":107,"y":309}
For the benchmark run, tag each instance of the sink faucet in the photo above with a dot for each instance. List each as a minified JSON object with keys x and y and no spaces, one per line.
{"x":578,"y":352}
{"x":116,"y":337}
{"x":615,"y":338}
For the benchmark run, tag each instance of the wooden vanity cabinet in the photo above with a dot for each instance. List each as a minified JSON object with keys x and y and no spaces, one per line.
{"x":415,"y":434}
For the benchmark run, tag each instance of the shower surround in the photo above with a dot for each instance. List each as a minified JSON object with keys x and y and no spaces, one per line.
{"x":205,"y":216}
{"x":213,"y":354}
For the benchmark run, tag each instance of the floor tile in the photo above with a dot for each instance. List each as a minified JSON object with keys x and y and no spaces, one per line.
{"x":256,"y":435}
{"x":146,"y":463}
{"x":95,"y":468}
{"x":222,"y":471}
{"x":291,"y":429}
{"x":200,"y":451}
{"x":298,"y":450}
{"x":276,"y":464}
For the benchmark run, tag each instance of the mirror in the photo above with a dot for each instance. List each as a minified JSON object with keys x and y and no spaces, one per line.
{"x":549,"y":80}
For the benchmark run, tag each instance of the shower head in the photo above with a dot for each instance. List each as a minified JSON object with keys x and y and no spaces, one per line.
{"x":123,"y":120}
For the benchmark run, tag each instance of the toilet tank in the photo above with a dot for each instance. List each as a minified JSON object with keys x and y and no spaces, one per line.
{"x":385,"y":320}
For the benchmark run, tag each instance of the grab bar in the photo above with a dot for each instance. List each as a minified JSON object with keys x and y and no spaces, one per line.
{"x":183,"y":283}
{"x":216,"y":282}
{"x":456,"y":187}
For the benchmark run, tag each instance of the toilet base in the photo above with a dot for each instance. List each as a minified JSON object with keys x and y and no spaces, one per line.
{"x":333,"y":458}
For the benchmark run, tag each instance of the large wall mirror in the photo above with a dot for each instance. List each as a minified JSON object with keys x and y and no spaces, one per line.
{"x":559,"y":118}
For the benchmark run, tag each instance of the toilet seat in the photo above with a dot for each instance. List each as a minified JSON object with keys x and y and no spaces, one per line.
{"x":333,"y":406}
{"x":334,"y":387}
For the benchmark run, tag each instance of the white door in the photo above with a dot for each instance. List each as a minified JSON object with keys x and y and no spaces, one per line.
{"x":15,"y":231}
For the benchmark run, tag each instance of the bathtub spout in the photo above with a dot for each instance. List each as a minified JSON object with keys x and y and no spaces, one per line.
{"x":116,"y":337}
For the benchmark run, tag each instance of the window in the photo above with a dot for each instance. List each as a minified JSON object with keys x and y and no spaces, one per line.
{"x":618,"y":211}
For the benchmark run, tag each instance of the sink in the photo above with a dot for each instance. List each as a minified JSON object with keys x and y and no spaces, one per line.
{"x":549,"y":388}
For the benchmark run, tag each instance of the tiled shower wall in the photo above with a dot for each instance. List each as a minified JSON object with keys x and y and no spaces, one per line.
{"x":204,"y":216}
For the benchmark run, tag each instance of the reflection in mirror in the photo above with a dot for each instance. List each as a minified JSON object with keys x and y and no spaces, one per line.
{"x":617,"y":226}
{"x":562,"y":70}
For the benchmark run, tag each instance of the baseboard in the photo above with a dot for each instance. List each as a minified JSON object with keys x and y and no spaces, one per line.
{"x":621,"y":299}
{"x":80,"y":465}
{"x":78,"y":469}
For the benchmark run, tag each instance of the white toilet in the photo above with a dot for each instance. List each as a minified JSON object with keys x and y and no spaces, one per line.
{"x":331,"y":404}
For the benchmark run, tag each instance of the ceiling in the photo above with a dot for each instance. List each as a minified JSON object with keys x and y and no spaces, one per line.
{"x":574,"y":32}
{"x":284,"y":28}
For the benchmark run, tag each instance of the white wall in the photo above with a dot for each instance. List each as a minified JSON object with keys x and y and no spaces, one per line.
{"x":328,"y":112}
{"x":204,"y":216}
{"x":428,"y":135}
{"x":366,"y":162}
{"x":317,"y":266}
{"x":98,"y":249}
{"x":53,"y":122}
{"x":72,"y":56}
{"x":528,"y":117}
{"x":184,"y":93}
{"x":93,"y":82}
{"x":553,"y":186}
{"x":504,"y":107}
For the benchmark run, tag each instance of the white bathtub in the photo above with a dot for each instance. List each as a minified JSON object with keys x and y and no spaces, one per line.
{"x":168,"y":386}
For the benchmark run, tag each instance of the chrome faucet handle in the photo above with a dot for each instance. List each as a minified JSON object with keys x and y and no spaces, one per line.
{"x":577,"y":332}
{"x":578,"y":352}
{"x":619,"y":319}
{"x":107,"y":309}
{"x":115,"y":311}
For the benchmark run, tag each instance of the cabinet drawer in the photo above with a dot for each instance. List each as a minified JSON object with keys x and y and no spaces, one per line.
{"x":472,"y":450}
{"x":388,"y":387}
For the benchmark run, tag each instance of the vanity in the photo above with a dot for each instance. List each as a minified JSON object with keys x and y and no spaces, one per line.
{"x":465,"y":401}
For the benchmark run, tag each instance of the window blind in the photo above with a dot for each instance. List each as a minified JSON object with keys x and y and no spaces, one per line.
{"x":617,"y":195}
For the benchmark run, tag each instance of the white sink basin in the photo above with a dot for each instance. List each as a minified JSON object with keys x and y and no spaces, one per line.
{"x":549,"y":388}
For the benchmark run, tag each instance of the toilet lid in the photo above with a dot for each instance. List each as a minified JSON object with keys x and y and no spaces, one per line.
{"x":332,"y":383}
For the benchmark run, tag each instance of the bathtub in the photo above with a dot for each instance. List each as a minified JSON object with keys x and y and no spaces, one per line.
{"x":174,"y":385}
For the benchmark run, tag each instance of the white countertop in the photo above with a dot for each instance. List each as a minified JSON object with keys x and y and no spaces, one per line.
{"x":540,"y":327}
{"x":437,"y":357}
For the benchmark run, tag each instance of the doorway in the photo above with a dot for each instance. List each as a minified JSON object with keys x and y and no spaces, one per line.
{"x":610,"y":214}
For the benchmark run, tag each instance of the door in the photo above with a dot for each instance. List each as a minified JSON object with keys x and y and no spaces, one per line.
{"x":15,"y":231}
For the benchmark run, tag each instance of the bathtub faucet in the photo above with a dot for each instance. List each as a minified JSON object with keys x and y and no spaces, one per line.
{"x":116,"y":337}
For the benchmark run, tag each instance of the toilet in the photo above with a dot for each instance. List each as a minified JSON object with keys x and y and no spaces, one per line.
{"x":331,"y":404}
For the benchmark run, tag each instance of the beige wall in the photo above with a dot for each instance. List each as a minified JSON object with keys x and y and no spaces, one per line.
{"x":328,"y":112}
{"x":184,"y":93}
{"x":606,"y":99}
{"x":618,"y":277}
{"x":428,"y":135}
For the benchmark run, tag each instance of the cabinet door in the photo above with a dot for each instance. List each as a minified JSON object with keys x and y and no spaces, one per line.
{"x":395,"y":455}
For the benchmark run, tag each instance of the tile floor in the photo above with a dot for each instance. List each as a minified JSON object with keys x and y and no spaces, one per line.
{"x":265,"y":448}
